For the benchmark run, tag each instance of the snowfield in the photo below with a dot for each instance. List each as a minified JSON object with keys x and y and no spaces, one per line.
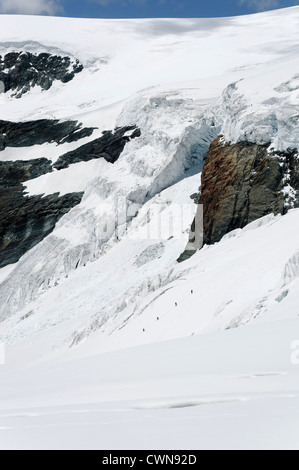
{"x":227,"y":390}
{"x":110,"y":344}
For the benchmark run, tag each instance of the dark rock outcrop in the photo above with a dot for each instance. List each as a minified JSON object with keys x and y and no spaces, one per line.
{"x":27,"y":134}
{"x":244,"y":182}
{"x":21,"y":71}
{"x":13,"y":173}
{"x":109,"y":146}
{"x":24,"y":220}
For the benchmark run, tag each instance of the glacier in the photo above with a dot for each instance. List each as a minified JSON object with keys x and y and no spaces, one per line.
{"x":103,"y":291}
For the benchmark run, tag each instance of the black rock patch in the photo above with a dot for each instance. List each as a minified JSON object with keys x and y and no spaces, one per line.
{"x":109,"y":146}
{"x":27,"y":134}
{"x":22,"y":71}
{"x":24,"y":220}
{"x":13,"y":173}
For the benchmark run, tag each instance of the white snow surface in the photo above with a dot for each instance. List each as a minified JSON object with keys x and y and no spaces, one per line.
{"x":98,"y":353}
{"x":226,"y":390}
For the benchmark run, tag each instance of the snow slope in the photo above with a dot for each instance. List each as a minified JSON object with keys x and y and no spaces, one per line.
{"x":227,"y":390}
{"x":165,"y":52}
{"x":106,"y":279}
{"x":177,"y":126}
{"x":110,"y":308}
{"x":232,"y":389}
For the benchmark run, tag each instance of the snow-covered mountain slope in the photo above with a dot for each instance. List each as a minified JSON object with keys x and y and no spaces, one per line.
{"x":163,"y":51}
{"x":227,"y":390}
{"x":232,"y":389}
{"x":177,"y":121}
{"x":111,"y":307}
{"x":106,"y":278}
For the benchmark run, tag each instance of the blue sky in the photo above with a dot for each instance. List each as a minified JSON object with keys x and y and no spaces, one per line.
{"x":141,"y":8}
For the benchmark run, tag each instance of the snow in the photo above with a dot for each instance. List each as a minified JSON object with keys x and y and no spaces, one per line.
{"x":165,"y":52}
{"x":99,"y":355}
{"x":112,"y":307}
{"x":230,"y":389}
{"x":261,"y":110}
{"x":48,"y":256}
{"x":67,"y":181}
{"x":227,"y":390}
{"x":5,"y":272}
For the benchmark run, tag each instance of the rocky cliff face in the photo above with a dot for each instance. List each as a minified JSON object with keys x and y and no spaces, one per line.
{"x":244,"y":182}
{"x":24,"y":220}
{"x":21,"y":71}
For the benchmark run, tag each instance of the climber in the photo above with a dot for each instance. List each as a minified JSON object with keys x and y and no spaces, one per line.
{"x":158,"y":318}
{"x":192,"y":292}
{"x":176,"y":304}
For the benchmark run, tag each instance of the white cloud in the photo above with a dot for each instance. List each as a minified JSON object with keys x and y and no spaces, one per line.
{"x":260,"y":5}
{"x":30,"y":7}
